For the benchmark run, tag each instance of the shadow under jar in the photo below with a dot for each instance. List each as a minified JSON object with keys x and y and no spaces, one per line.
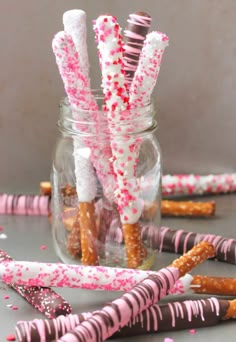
{"x":106,"y":179}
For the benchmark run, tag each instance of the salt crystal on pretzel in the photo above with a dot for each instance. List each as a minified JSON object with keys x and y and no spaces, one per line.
{"x":190,"y":184}
{"x":173,"y":316}
{"x":105,"y":322}
{"x":147,"y":72}
{"x":124,"y":147}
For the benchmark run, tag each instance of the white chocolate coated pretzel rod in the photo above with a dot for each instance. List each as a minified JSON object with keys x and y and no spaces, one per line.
{"x":44,"y":299}
{"x":190,"y":184}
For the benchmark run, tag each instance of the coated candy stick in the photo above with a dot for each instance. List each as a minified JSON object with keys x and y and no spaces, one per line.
{"x":105,"y":322}
{"x":74,"y":80}
{"x":124,"y":147}
{"x":138,"y":26}
{"x":75,"y":25}
{"x":189,"y":314}
{"x":25,"y":205}
{"x":190,"y":184}
{"x":104,"y":278}
{"x":180,"y":241}
{"x":47,"y":301}
{"x":148,"y":69}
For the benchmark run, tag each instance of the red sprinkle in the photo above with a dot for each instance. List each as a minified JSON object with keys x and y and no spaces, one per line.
{"x":192,"y":331}
{"x":14,"y":307}
{"x":43,"y":247}
{"x":11,"y":337}
{"x":1,"y":229}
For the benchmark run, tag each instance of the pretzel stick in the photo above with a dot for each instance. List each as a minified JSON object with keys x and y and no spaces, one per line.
{"x":213,"y":285}
{"x":189,"y":314}
{"x":44,"y":299}
{"x":187,"y":208}
{"x":135,"y":34}
{"x":124,"y":146}
{"x":180,"y":241}
{"x":105,"y":322}
{"x":190,"y":184}
{"x":74,"y":80}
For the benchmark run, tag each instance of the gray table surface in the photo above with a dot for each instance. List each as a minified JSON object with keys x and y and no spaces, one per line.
{"x":25,"y":235}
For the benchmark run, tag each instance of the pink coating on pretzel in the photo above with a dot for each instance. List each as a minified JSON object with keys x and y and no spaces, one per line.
{"x":135,"y":34}
{"x":176,"y":315}
{"x":24,"y":205}
{"x":180,"y":238}
{"x":106,"y":322}
{"x":191,"y":184}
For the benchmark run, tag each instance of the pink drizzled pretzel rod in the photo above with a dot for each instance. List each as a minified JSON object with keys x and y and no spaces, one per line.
{"x":189,"y":314}
{"x":24,"y":204}
{"x":190,"y":184}
{"x":124,"y":146}
{"x":147,"y":72}
{"x":105,"y":322}
{"x":44,"y":299}
{"x":180,"y":241}
{"x":135,"y":33}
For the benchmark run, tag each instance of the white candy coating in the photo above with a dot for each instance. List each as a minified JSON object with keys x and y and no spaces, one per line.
{"x":145,"y":77}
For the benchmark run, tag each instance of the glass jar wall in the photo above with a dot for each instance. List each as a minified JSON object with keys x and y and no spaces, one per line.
{"x":106,"y":187}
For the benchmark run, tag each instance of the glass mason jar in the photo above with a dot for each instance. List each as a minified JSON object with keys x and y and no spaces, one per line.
{"x":106,"y":181}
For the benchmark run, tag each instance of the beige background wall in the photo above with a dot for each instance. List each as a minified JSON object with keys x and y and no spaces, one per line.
{"x":196,"y":93}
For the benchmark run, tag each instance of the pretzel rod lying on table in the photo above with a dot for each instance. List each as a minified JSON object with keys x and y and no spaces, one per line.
{"x":173,"y":316}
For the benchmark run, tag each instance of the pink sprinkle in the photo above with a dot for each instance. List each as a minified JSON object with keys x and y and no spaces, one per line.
{"x":14,"y":307}
{"x":11,"y":337}
{"x":1,"y":229}
{"x":167,"y":339}
{"x":43,"y":247}
{"x":192,"y":331}
{"x":6,"y":297}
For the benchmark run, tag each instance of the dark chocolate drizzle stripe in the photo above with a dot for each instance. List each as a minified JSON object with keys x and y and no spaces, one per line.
{"x":180,"y":241}
{"x":169,"y":317}
{"x":47,"y":301}
{"x":33,"y":204}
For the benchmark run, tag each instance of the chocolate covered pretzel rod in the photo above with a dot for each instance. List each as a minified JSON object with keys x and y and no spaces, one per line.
{"x":105,"y":322}
{"x":47,"y":301}
{"x":24,"y":205}
{"x":188,"y":314}
{"x":135,"y":34}
{"x":180,"y":241}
